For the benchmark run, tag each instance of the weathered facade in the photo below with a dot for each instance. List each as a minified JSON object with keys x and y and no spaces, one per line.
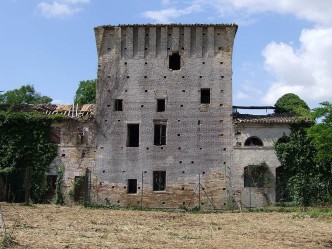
{"x":163,"y":133}
{"x":164,"y":114}
{"x":254,"y":138}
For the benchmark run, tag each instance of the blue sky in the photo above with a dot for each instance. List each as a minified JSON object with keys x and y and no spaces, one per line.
{"x":281,"y":46}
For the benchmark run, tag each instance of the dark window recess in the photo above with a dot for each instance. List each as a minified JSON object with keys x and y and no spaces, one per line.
{"x":55,"y":134}
{"x":253,"y":141}
{"x":51,"y":186}
{"x":205,"y":96}
{"x":159,"y":134}
{"x":118,"y":105}
{"x":132,"y":135}
{"x":175,"y":61}
{"x":161,"y":105}
{"x":79,"y":184}
{"x":132,"y":186}
{"x":255,"y":178}
{"x":159,"y":180}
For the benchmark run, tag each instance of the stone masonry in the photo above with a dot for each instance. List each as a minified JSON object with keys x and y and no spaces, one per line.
{"x":164,"y":105}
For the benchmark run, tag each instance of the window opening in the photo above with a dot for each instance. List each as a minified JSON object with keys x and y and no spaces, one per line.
{"x":159,"y":180}
{"x":175,"y":61}
{"x":257,"y":176}
{"x":205,"y":96}
{"x":160,"y":133}
{"x":79,"y":184}
{"x":282,"y":193}
{"x":161,"y":105}
{"x":55,"y":135}
{"x":132,"y":135}
{"x":253,"y":141}
{"x":118,"y":105}
{"x":132,"y":186}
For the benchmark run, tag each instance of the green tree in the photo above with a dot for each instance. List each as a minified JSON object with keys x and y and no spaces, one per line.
{"x":24,"y":95}
{"x":290,"y":102}
{"x":305,"y":153}
{"x":86,"y":92}
{"x":321,"y":132}
{"x":296,"y":154}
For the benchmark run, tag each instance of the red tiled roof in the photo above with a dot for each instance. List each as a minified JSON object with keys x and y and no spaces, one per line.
{"x":282,"y":118}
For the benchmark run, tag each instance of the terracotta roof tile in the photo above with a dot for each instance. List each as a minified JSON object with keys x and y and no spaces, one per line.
{"x":282,"y":118}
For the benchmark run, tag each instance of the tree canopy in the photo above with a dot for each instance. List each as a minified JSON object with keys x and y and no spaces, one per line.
{"x":321,"y":132}
{"x":86,"y":92}
{"x":306,"y":153}
{"x":290,"y":102}
{"x":24,"y":95}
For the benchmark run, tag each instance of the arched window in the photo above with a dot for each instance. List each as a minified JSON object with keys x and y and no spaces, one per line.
{"x":253,"y":141}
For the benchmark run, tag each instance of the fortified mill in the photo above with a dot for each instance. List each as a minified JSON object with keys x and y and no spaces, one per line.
{"x":164,"y":105}
{"x":164,"y":132}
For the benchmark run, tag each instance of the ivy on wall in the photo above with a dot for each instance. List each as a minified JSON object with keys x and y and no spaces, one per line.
{"x":25,"y":142}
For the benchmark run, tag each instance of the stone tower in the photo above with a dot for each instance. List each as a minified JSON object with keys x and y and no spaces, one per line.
{"x":164,"y":105}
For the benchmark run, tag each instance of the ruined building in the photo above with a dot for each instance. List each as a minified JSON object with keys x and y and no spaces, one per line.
{"x":164,"y":133}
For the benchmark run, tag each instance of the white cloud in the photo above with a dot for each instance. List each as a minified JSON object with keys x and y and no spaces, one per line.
{"x":241,"y":95}
{"x":306,"y":71}
{"x":318,"y":12}
{"x":315,"y":11}
{"x":61,"y":8}
{"x":169,"y":14}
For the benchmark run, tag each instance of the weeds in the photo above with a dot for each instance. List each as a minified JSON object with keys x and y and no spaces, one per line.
{"x":8,"y":239}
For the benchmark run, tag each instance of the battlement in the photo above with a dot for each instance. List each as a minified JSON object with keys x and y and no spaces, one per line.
{"x":148,"y":40}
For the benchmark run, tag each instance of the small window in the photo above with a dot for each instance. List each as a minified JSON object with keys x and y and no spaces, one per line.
{"x":159,"y":180}
{"x":132,"y":186}
{"x":253,"y":141}
{"x":205,"y":96}
{"x":118,"y":105}
{"x":160,"y":133}
{"x":132,"y":135}
{"x":175,"y":61}
{"x":161,"y":105}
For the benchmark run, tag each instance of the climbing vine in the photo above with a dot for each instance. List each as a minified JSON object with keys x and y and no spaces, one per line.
{"x":58,"y":189}
{"x":25,"y":142}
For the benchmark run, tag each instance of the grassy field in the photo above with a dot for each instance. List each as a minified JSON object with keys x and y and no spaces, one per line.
{"x":50,"y":226}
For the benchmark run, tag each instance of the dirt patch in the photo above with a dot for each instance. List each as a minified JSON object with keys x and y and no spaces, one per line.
{"x":50,"y":226}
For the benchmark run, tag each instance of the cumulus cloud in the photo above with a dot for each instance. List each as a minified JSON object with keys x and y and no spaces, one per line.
{"x":169,"y":14}
{"x":61,"y":8}
{"x":306,"y":71}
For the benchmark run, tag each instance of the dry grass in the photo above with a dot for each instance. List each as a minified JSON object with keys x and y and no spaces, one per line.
{"x":50,"y":226}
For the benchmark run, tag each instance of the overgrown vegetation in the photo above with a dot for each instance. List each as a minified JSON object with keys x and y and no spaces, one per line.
{"x":290,"y":102}
{"x":59,"y":200}
{"x":306,"y":157}
{"x":26,"y":143}
{"x":257,"y":175}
